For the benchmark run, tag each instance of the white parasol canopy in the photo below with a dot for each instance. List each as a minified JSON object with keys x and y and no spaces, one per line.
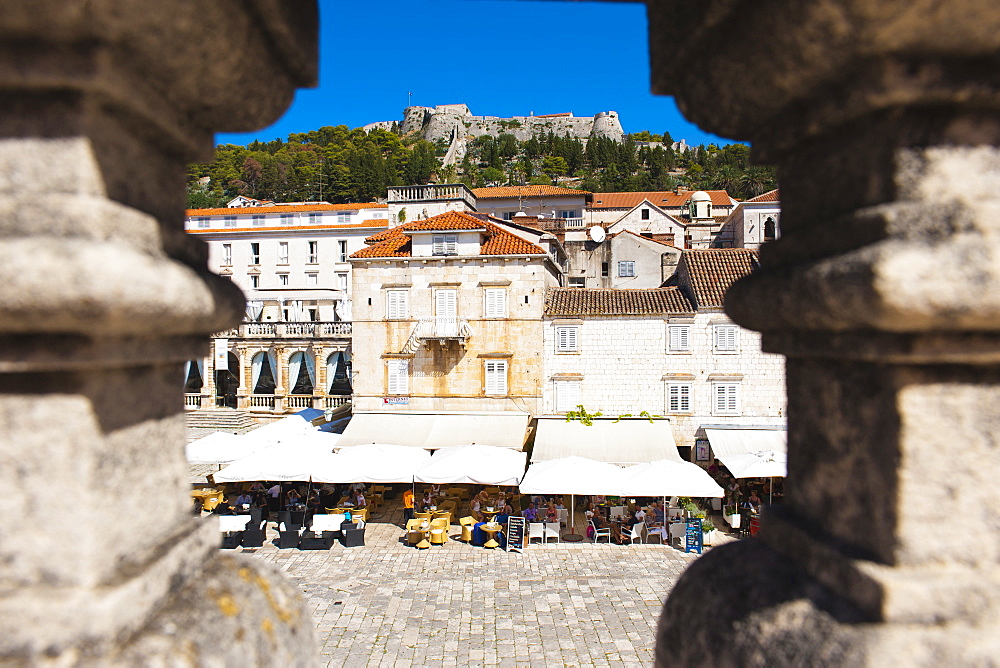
{"x":286,"y":461}
{"x":759,"y":464}
{"x":219,"y":447}
{"x":473,"y":464}
{"x":572,"y":475}
{"x":379,"y":463}
{"x":669,"y":478}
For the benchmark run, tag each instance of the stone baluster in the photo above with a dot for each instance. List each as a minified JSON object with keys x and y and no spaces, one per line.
{"x":883,"y":292}
{"x":102,"y":299}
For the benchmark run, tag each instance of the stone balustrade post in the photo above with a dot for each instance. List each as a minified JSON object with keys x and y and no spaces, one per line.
{"x":883,"y":291}
{"x":102,"y":298}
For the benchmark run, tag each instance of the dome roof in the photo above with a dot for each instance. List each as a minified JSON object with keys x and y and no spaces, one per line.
{"x":701,"y":196}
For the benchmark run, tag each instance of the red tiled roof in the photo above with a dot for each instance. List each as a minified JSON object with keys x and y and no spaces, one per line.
{"x":285,"y":228}
{"x":710,"y":272}
{"x":636,"y":234}
{"x":278,"y":208}
{"x":593,"y":301}
{"x":667,"y":199}
{"x":375,"y":221}
{"x":395,"y":242}
{"x":525,"y":191}
{"x":770,"y":196}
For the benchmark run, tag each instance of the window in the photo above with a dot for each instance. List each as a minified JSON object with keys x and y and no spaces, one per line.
{"x":229,"y":221}
{"x":769,"y":229}
{"x":258,"y":221}
{"x":726,"y":338}
{"x":399,"y":376}
{"x":313,"y":252}
{"x":605,"y":269}
{"x":203,"y":222}
{"x":254,"y":252}
{"x":496,"y":377}
{"x":315,"y":218}
{"x":343,"y":217}
{"x":397,"y":304}
{"x":342,"y":281}
{"x":577,"y":282}
{"x":445,"y":244}
{"x":680,"y":337}
{"x":286,"y":219}
{"x":507,"y":215}
{"x":312,"y":279}
{"x":678,"y":398}
{"x":566,"y":339}
{"x":569,"y":214}
{"x":254,"y":281}
{"x":282,"y":279}
{"x":645,"y":214}
{"x":227,"y":253}
{"x":726,"y":398}
{"x":626,"y":268}
{"x":567,"y":395}
{"x":495,"y":305}
{"x":342,"y":247}
{"x":282,"y":252}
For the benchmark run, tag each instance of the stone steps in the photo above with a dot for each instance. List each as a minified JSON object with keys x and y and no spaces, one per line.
{"x":204,"y":421}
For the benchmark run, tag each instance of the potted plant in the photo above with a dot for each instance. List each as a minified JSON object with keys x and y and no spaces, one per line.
{"x":732,"y":515}
{"x":707,"y":531}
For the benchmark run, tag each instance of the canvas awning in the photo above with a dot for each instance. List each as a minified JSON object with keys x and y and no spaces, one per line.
{"x":311,"y":458}
{"x":670,"y":478}
{"x":432,"y":431}
{"x":627,"y":441}
{"x":473,"y":465}
{"x":379,"y":463}
{"x":751,"y":453}
{"x":219,"y":447}
{"x":573,"y":475}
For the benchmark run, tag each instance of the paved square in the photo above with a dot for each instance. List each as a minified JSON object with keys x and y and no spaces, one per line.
{"x":566,"y":604}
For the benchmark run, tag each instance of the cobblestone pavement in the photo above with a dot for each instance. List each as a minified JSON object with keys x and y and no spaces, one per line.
{"x":559,"y":604}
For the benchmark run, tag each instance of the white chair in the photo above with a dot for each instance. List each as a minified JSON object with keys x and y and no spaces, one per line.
{"x":233,"y":523}
{"x":600,"y":533}
{"x":636,"y":532}
{"x":563,"y":517}
{"x":536,"y":530}
{"x":322,"y":523}
{"x":552,"y":531}
{"x":677,"y":530}
{"x":617,"y":511}
{"x":659,"y":531}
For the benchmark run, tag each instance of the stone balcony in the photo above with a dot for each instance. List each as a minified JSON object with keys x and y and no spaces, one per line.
{"x":279,"y":330}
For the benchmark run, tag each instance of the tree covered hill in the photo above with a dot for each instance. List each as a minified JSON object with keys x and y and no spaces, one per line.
{"x":337,"y":164}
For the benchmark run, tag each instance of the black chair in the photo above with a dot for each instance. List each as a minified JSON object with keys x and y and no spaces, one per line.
{"x":310,"y":541}
{"x":287,"y":517}
{"x":256,"y":516}
{"x":232,"y":540}
{"x":256,"y":533}
{"x":288,"y":538}
{"x":352,"y":536}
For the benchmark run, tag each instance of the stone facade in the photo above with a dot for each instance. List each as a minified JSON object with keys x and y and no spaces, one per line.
{"x":751,"y":223}
{"x":446,"y":362}
{"x":104,"y":298}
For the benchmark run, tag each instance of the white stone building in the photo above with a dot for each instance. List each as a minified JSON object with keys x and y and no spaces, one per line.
{"x":752,"y":222}
{"x":539,"y":201}
{"x":668,"y":351}
{"x":448,"y":316}
{"x":701,"y":213}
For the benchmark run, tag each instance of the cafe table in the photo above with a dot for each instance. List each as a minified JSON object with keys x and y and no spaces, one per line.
{"x":492,"y":528}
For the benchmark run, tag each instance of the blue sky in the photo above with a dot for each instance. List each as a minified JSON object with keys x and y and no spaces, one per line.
{"x":502,"y":58}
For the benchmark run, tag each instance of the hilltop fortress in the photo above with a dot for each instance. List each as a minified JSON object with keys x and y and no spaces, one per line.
{"x":455,"y":124}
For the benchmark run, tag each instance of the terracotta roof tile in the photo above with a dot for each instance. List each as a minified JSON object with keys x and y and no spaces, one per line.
{"x":278,"y":208}
{"x":590,"y":301}
{"x":663,"y":199}
{"x":771,"y":196}
{"x":395,"y":242}
{"x":286,"y":228}
{"x":524,"y":191}
{"x":636,"y":234}
{"x":709,"y":273}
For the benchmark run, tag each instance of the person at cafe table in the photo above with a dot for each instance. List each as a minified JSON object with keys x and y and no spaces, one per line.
{"x":244,"y":499}
{"x":530,"y":514}
{"x":294,"y":498}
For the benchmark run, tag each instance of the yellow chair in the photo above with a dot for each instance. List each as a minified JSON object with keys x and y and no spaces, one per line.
{"x":422,"y":515}
{"x":334,"y":511}
{"x":415,"y":533}
{"x":439,"y":531}
{"x":467,"y":523}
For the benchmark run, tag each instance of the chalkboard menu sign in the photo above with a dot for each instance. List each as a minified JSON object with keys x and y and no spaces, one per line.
{"x":692,"y":535}
{"x":515,"y":533}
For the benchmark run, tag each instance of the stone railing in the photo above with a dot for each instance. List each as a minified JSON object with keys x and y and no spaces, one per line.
{"x":442,"y":191}
{"x":192,"y":401}
{"x":261,"y":401}
{"x":299,"y":401}
{"x":273,"y":330}
{"x":572,"y":222}
{"x":438,"y":327}
{"x":333,"y":402}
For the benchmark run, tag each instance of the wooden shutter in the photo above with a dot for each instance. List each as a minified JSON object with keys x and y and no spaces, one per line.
{"x":445,"y":303}
{"x":567,"y":395}
{"x":679,"y":398}
{"x":496,"y":302}
{"x":496,"y":377}
{"x":726,"y":398}
{"x":566,"y":339}
{"x":680,"y":337}
{"x":399,"y":376}
{"x":397,"y":306}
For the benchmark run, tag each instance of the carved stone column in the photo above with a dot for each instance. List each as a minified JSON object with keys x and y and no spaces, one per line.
{"x":883,"y":117}
{"x":102,"y":299}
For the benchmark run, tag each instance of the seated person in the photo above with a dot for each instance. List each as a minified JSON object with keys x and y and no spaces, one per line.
{"x":244,"y":499}
{"x":552,"y":513}
{"x":224,"y":507}
{"x":530,"y":514}
{"x":358,"y":499}
{"x":294,"y":498}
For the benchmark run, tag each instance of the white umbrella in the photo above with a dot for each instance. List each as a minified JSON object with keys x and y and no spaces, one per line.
{"x":759,"y":464}
{"x":572,"y":475}
{"x":381,"y":462}
{"x":220,"y":447}
{"x":473,"y":465}
{"x":669,"y":478}
{"x":285,"y":461}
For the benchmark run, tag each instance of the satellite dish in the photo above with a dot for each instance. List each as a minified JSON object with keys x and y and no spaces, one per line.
{"x":597,"y":234}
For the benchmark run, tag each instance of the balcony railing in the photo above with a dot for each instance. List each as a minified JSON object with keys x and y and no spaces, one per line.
{"x":442,"y":328}
{"x":192,"y":401}
{"x":261,"y":401}
{"x":333,"y":402}
{"x":573,"y":222}
{"x":273,"y":330}
{"x":299,"y":401}
{"x":431,"y":192}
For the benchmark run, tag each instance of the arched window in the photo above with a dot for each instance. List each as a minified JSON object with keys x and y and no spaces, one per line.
{"x":194,"y":376}
{"x":301,"y":373}
{"x":769,"y":229}
{"x":262,"y":370}
{"x":338,"y":372}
